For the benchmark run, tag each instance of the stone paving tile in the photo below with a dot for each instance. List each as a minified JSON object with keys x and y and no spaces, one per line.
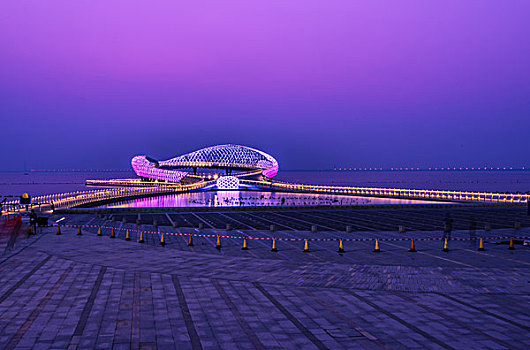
{"x":271,"y":300}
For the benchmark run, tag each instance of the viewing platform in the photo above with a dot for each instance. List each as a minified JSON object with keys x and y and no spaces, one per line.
{"x":84,"y":289}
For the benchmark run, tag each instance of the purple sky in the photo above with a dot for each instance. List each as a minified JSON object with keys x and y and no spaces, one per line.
{"x":317,"y":84}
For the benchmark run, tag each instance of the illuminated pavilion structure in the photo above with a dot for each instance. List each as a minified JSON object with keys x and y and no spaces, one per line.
{"x":236,"y":160}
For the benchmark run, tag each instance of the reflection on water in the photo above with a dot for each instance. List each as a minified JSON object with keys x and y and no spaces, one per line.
{"x":251,"y":198}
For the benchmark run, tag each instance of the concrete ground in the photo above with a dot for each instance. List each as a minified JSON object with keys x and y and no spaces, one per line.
{"x":88,"y":292}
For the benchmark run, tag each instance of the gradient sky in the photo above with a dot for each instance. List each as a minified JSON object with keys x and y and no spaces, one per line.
{"x":317,"y":84}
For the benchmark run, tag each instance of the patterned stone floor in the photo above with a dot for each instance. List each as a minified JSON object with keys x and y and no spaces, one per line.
{"x":86,"y":292}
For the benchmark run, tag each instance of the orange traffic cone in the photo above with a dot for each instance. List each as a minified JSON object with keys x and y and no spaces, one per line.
{"x":446,"y":246}
{"x":218,"y":243}
{"x":341,"y":247}
{"x":412,"y":246}
{"x":481,"y":245}
{"x":274,"y":249}
{"x":376,"y":248}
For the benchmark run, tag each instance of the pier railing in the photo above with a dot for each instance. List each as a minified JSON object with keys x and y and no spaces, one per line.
{"x":91,"y":197}
{"x":79,"y":198}
{"x":395,"y":192}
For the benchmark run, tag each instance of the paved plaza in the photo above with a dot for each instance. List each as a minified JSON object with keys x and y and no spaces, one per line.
{"x":84,"y":291}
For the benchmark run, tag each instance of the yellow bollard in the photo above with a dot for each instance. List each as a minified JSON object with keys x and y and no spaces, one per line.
{"x":112,"y":233}
{"x":511,"y":246}
{"x":99,"y":232}
{"x":127,"y":235}
{"x":58,"y":230}
{"x":244,"y":247}
{"x":163,"y":240}
{"x":190,"y":241}
{"x":341,"y":246}
{"x":481,"y":245}
{"x":30,"y":231}
{"x":376,"y":248}
{"x":274,"y":249}
{"x":306,"y":247}
{"x":218,"y":244}
{"x":446,"y":246}
{"x":141,"y":237}
{"x":412,"y":246}
{"x":79,"y":230}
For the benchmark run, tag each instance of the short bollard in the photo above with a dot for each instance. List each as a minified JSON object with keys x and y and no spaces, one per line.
{"x":481,"y":245}
{"x":412,"y":246}
{"x":314,"y":228}
{"x":244,"y":247}
{"x":79,"y":231}
{"x":376,"y":248}
{"x":341,"y":247}
{"x":141,"y":240}
{"x":127,"y":235}
{"x":306,"y":247}
{"x":218,"y":243}
{"x":349,"y":229}
{"x":274,"y":249}
{"x":190,"y":241}
{"x":30,"y":231}
{"x":163,"y":240}
{"x":511,"y":246}
{"x":112,"y":233}
{"x":446,"y":246}
{"x":58,"y":230}
{"x":99,"y":232}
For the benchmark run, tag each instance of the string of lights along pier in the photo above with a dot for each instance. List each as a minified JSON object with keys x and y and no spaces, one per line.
{"x":235,"y":167}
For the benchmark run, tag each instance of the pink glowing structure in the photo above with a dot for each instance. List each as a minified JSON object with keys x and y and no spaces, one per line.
{"x":229,"y":157}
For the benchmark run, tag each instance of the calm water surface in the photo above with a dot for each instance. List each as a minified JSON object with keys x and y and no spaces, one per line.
{"x":38,"y":183}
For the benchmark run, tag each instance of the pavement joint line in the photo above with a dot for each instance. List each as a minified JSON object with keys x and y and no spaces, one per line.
{"x":238,"y":316}
{"x":290,"y":317}
{"x":188,"y":320}
{"x":12,"y":344}
{"x":451,"y":319}
{"x":439,"y":257}
{"x":135,"y":321}
{"x":24,"y":279}
{"x":90,"y":303}
{"x":398,"y":319}
{"x":22,"y":249}
{"x":502,"y":318}
{"x":502,"y":257}
{"x":343,"y":317}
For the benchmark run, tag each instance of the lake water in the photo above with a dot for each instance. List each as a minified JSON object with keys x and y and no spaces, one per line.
{"x":253,"y":198}
{"x":38,"y":183}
